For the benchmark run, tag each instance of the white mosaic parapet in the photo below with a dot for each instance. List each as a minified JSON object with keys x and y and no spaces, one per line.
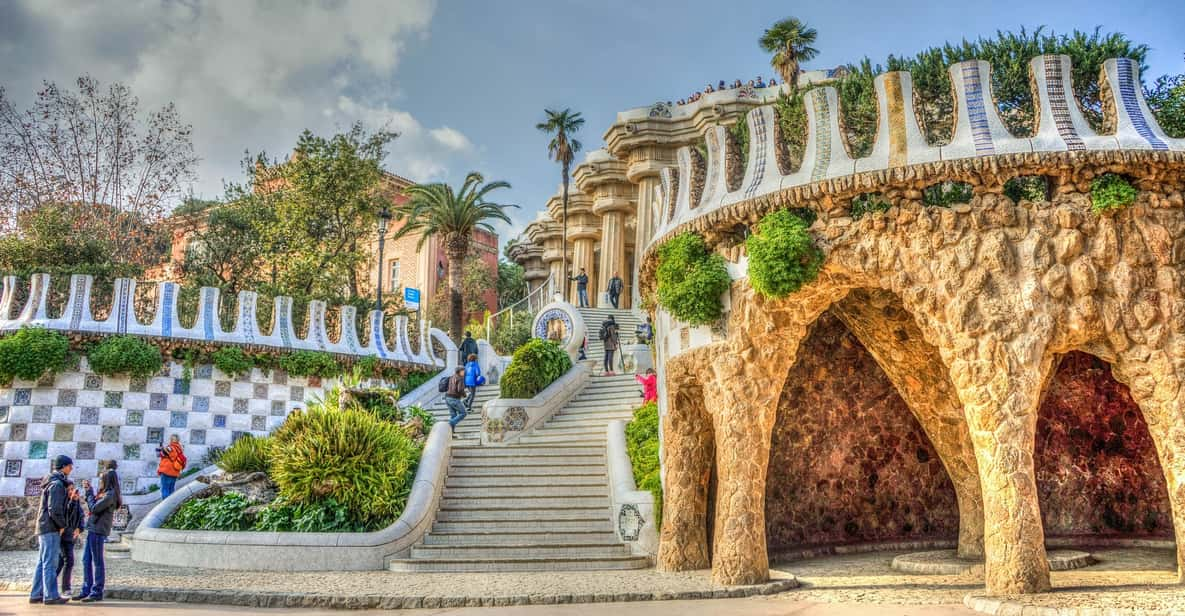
{"x":761,"y":169}
{"x":1060,"y":124}
{"x":899,"y":137}
{"x":1136,"y":127}
{"x":716,"y":181}
{"x":978,"y":128}
{"x":166,"y":322}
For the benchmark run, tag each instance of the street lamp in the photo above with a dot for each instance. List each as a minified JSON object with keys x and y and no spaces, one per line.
{"x":384,"y":218}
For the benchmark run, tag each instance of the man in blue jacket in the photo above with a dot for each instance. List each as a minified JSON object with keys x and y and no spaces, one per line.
{"x":473,"y":379}
{"x":51,"y":523}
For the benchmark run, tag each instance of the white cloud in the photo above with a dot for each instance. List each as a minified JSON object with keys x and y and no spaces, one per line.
{"x":247,"y":75}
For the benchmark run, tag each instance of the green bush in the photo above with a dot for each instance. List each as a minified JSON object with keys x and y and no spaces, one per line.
{"x":868,"y":203}
{"x":226,"y":512}
{"x":416,"y":410}
{"x":310,"y":363}
{"x":232,"y":361}
{"x":533,"y":367}
{"x":1110,"y":192}
{"x":413,"y":380}
{"x":1027,"y":188}
{"x":363,"y":463}
{"x":946,"y":194}
{"x":323,"y":516}
{"x":782,"y":255}
{"x":247,"y":454}
{"x":367,"y":367}
{"x":691,"y":279}
{"x":125,"y":355}
{"x":32,"y":352}
{"x":511,"y":332}
{"x":641,"y":442}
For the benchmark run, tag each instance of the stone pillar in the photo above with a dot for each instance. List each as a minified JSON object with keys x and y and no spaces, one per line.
{"x":612,"y":252}
{"x":687,"y":464}
{"x":645,"y":164}
{"x":583,"y":255}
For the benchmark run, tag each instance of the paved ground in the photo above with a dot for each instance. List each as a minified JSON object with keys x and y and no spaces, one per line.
{"x":15,"y":605}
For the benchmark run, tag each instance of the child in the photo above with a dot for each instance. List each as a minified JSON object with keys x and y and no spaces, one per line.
{"x":98,"y":527}
{"x":69,"y":535}
{"x":649,"y":386}
{"x":473,"y":379}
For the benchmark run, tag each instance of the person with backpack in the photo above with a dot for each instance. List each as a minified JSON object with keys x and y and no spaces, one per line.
{"x":172,"y":463}
{"x":581,"y":287}
{"x":74,"y":518}
{"x":645,"y":332}
{"x":468,"y":347}
{"x":98,"y":527}
{"x":615,"y":288}
{"x":51,"y":525}
{"x":609,"y":337}
{"x":454,"y":392}
{"x":473,"y":379}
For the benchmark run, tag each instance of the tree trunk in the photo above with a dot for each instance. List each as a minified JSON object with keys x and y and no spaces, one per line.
{"x":564,"y":241}
{"x":456,"y":252}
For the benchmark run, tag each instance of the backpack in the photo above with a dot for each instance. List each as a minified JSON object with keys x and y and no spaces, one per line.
{"x":604,"y":335}
{"x":181,"y":461}
{"x":442,"y":384}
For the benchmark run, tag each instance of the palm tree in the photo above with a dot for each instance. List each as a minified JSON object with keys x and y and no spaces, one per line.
{"x":436,"y":210}
{"x":563,"y":148}
{"x":790,"y":41}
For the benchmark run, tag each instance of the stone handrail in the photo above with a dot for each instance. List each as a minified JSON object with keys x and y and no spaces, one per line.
{"x":290,"y":551}
{"x":572,"y":320}
{"x":166,"y":322}
{"x":139,"y":505}
{"x":504,"y":420}
{"x":634,"y":518}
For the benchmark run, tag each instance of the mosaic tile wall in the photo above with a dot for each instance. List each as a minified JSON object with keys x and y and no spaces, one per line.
{"x":91,"y":417}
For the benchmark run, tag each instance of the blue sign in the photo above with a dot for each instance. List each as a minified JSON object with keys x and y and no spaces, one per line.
{"x":411,"y":298}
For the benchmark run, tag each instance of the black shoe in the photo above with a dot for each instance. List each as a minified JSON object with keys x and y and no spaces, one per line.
{"x":58,"y":601}
{"x":37,"y":600}
{"x":91,"y":599}
{"x":78,"y":597}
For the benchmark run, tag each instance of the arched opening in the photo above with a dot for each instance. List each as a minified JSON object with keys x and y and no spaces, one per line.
{"x":1096,"y":466}
{"x":849,"y":462}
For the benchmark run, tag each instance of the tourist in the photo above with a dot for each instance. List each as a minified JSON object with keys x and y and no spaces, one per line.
{"x":172,"y":463}
{"x":615,"y":288}
{"x":772,"y":82}
{"x":452,"y":397}
{"x":98,"y":527}
{"x":649,"y":384}
{"x":760,"y":82}
{"x":582,"y":354}
{"x":468,"y":347}
{"x":51,"y":524}
{"x":473,"y":379}
{"x":609,"y":337}
{"x":736,"y":84}
{"x":709,"y":89}
{"x":645,"y":331}
{"x":74,"y":518}
{"x":721,"y":86}
{"x":581,"y":287}
{"x":752,"y":84}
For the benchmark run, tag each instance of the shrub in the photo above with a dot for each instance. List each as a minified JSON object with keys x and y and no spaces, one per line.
{"x":641,"y":442}
{"x":212,"y":456}
{"x":416,"y":410}
{"x":945,"y":194}
{"x":367,"y":367}
{"x":533,"y":367}
{"x":691,"y":279}
{"x":782,"y":255}
{"x":247,"y":454}
{"x":414,"y":379}
{"x":31,"y":352}
{"x":310,"y":363}
{"x":324,"y":516}
{"x":511,"y":332}
{"x":1110,"y":192}
{"x":226,"y":512}
{"x":363,"y":463}
{"x":868,"y":203}
{"x":232,"y":361}
{"x":1027,"y":188}
{"x":125,"y":355}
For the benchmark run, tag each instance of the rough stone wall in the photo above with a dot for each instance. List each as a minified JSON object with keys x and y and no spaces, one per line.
{"x":17,"y":519}
{"x":1097,"y":471}
{"x":848,"y":461}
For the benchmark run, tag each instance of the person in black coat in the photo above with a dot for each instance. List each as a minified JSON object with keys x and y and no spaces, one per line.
{"x":616,"y":286}
{"x":98,"y":528}
{"x":51,"y":522}
{"x":468,"y":347}
{"x":74,"y":518}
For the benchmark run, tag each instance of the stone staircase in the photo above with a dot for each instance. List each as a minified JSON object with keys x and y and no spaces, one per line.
{"x":468,"y":432}
{"x":540,"y":504}
{"x":627,"y":323}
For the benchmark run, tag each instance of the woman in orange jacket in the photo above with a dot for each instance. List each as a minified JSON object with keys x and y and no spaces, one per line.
{"x":172,"y":463}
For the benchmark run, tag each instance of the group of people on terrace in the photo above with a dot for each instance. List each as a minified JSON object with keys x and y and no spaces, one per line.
{"x":722,"y":85}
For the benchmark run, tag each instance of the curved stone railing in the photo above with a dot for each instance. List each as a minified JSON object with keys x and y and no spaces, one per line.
{"x":273,"y":551}
{"x":571,"y":320}
{"x":634,"y":518}
{"x":166,"y":323}
{"x":503,"y":420}
{"x":899,"y":142}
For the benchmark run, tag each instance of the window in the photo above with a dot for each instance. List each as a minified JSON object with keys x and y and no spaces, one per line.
{"x":393,"y":265}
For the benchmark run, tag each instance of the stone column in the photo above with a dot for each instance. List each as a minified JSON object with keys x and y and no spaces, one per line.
{"x":687,"y":464}
{"x":583,"y":254}
{"x":644,"y":167}
{"x":612,"y":252}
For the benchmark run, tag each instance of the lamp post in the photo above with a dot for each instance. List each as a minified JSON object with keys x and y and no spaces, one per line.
{"x":384,"y":218}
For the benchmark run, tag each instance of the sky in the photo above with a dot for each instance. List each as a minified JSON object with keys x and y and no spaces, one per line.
{"x":465,"y":81}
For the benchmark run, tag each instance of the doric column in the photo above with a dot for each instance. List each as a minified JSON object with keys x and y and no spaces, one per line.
{"x":602,"y":177}
{"x":645,"y":163}
{"x":584,"y":230}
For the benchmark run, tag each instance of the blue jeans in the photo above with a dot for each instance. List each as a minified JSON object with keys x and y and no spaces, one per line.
{"x":94,"y":569}
{"x":45,"y":575}
{"x":582,"y":293}
{"x":456,"y":410}
{"x":167,"y":485}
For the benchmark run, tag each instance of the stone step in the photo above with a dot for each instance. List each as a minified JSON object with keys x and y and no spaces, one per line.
{"x":519,"y":564}
{"x":528,"y":461}
{"x":629,"y":402}
{"x":587,"y":420}
{"x":599,"y":524}
{"x":472,"y":503}
{"x":504,"y":492}
{"x":523,"y":515}
{"x":490,"y":481}
{"x":559,"y":439}
{"x":593,"y":411}
{"x":526,"y":452}
{"x":569,"y":537}
{"x":473,"y":552}
{"x":487,"y":470}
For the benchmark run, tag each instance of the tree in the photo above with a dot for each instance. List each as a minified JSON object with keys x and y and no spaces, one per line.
{"x":790,"y":41}
{"x":436,"y":210}
{"x":1167,"y":99}
{"x":512,"y":287}
{"x":92,"y":147}
{"x":228,"y":251}
{"x":562,"y":148}
{"x":476,"y":281}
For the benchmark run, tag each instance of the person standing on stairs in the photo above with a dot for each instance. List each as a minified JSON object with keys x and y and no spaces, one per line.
{"x":473,"y":379}
{"x":615,"y":288}
{"x":468,"y":347}
{"x":452,"y":397}
{"x":609,"y":335}
{"x":581,"y":287}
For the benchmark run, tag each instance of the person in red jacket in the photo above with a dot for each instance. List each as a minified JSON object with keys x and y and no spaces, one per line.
{"x":172,"y":463}
{"x":649,"y":386}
